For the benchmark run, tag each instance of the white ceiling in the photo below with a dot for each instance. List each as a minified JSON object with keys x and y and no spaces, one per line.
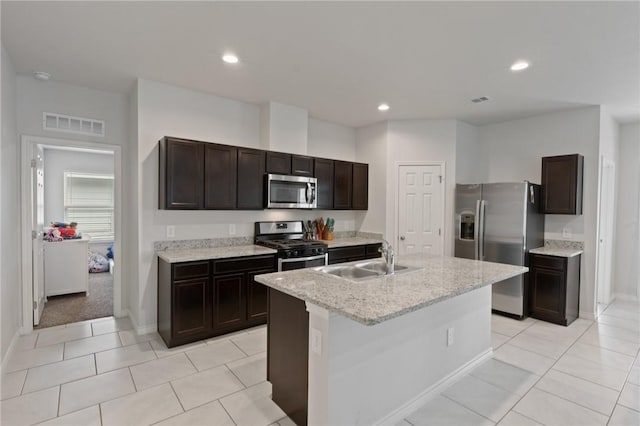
{"x":339,"y":60}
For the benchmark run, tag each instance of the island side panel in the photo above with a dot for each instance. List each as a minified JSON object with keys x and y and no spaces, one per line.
{"x":375,"y":373}
{"x":287,"y":354}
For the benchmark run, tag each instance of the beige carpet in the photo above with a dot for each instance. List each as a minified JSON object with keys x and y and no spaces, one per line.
{"x":78,"y":306}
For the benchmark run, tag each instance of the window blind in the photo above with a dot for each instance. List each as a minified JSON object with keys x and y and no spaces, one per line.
{"x":88,"y":200}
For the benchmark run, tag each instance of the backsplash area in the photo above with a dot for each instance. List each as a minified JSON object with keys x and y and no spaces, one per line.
{"x":238,"y":241}
{"x":564,"y":244}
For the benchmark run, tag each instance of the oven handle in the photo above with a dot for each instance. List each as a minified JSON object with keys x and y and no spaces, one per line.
{"x":303,"y":259}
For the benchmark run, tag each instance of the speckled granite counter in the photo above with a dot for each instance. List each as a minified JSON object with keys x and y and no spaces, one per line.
{"x":351,"y":241}
{"x":189,"y":255}
{"x":379,"y":299}
{"x":555,"y":251}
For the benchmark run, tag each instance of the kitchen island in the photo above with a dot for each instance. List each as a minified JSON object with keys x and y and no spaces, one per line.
{"x":345,"y":352}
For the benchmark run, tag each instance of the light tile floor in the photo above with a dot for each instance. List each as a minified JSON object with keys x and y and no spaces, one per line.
{"x":101,"y":372}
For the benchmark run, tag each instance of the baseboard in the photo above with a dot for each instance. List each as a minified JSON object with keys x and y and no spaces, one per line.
{"x":625,"y":297}
{"x":10,"y":350}
{"x":587,"y":315}
{"x":432,"y":391}
{"x":141,"y":329}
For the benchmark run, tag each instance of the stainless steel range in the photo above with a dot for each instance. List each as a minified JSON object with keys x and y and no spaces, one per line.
{"x":294,"y":252}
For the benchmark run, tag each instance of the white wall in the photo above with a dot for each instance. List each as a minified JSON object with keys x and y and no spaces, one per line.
{"x":130,"y":212}
{"x":164,"y":110}
{"x":371,"y":148}
{"x":422,"y":141}
{"x":471,"y":164}
{"x":35,"y":97}
{"x":330,"y":140}
{"x":627,"y":237}
{"x":56,"y":162}
{"x":609,"y":151}
{"x":284,"y":128}
{"x":513,"y":152}
{"x":10,"y":276}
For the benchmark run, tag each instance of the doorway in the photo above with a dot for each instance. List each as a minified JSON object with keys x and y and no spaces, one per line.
{"x":69,"y":182}
{"x":420,"y":217}
{"x":605,"y":233}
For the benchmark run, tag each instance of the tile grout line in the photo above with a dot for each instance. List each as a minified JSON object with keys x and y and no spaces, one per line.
{"x":178,"y":398}
{"x":468,"y":408}
{"x":542,"y":375}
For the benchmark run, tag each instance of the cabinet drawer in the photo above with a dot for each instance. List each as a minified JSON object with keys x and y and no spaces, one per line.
{"x":549,"y":262}
{"x":183,"y":271}
{"x":344,"y":254}
{"x":244,"y":264}
{"x":372,"y":250}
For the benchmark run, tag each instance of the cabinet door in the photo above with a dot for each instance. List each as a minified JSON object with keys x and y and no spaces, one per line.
{"x":256,"y":297}
{"x":360,"y":186}
{"x":301,"y":165}
{"x":278,"y":163}
{"x":181,"y":174}
{"x":343,"y":185}
{"x":191,"y":308}
{"x":323,"y":171}
{"x":228,"y":300}
{"x":548,"y":293}
{"x":220,"y":174}
{"x":562,"y":184}
{"x":251,"y":167}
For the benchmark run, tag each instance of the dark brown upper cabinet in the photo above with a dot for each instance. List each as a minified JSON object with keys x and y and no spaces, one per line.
{"x":301,"y":165}
{"x":220,"y":176}
{"x":278,"y":163}
{"x":343,"y":185}
{"x":323,"y":172}
{"x":181,"y":174}
{"x":562,"y":184}
{"x":251,"y":169}
{"x":360,"y":200}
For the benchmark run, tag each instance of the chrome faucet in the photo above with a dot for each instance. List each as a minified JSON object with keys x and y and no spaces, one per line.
{"x":389,"y":256}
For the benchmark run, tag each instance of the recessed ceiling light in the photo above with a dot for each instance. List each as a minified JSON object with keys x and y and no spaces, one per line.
{"x":41,"y":75}
{"x":519,"y":65}
{"x":230,"y":58}
{"x":383,"y":107}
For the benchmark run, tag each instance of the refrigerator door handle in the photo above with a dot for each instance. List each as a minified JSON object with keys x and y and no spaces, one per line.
{"x":481,"y":208}
{"x":476,"y":231}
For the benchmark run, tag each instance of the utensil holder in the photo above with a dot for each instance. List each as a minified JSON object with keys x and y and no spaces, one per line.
{"x":326,"y":235}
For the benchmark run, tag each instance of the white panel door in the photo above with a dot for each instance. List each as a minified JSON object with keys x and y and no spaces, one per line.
{"x":420,"y":221}
{"x":37,"y":229}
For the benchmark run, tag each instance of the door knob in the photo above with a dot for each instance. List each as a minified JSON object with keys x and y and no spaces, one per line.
{"x":402,"y":238}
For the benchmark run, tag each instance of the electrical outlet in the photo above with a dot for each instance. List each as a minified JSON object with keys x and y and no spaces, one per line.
{"x":232,"y":229}
{"x":566,"y":232}
{"x":316,"y":341}
{"x":171,"y":231}
{"x":450,"y":336}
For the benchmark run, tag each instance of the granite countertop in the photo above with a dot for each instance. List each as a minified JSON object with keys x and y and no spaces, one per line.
{"x":351,"y":241}
{"x":380,"y":299}
{"x":188,"y":255}
{"x":556,"y":251}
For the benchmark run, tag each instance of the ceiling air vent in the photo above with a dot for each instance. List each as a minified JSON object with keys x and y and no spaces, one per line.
{"x":480,"y":99}
{"x":79,"y":125}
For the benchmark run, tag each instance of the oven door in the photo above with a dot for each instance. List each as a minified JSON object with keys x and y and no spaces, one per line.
{"x":302,"y":262}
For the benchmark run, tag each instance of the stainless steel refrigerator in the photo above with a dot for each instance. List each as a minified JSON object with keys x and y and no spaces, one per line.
{"x":500,"y":222}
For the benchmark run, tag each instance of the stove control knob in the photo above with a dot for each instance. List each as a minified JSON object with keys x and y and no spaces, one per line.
{"x":294,"y":252}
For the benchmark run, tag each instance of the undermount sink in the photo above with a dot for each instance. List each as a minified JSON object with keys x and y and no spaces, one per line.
{"x":363,"y":270}
{"x":348,"y":271}
{"x":380,"y":267}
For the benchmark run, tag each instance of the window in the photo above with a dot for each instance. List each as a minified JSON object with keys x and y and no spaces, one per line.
{"x":88,"y":200}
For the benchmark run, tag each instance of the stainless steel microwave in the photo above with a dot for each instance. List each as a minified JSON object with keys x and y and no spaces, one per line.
{"x":290,"y":192}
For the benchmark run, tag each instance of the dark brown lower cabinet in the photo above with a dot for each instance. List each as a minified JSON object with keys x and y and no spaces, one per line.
{"x":288,"y":354}
{"x":202,"y":299}
{"x":229,"y":300}
{"x":554,"y":288}
{"x":353,"y":253}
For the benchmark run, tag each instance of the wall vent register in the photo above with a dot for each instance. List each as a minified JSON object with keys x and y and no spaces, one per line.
{"x":69,"y":124}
